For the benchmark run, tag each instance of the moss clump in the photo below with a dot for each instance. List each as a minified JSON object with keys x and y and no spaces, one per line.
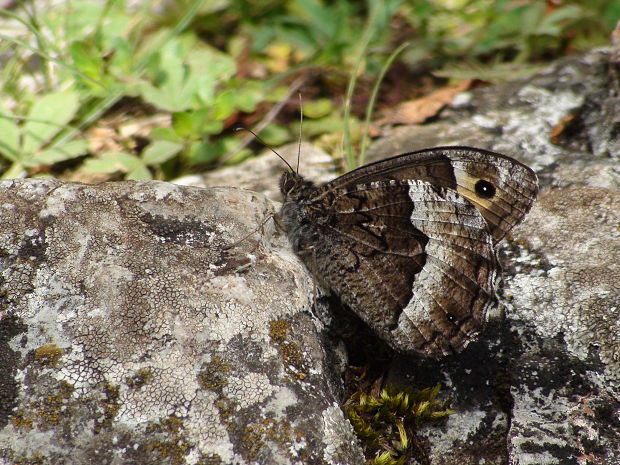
{"x":387,"y":422}
{"x":279,"y":432}
{"x":111,"y":406}
{"x":48,"y":355}
{"x":140,"y":378}
{"x":213,"y":375}
{"x":48,"y":410}
{"x":289,"y":351}
{"x":169,"y":442}
{"x":21,"y":420}
{"x":211,"y":459}
{"x":36,"y":459}
{"x":278,"y":330}
{"x":54,"y":407}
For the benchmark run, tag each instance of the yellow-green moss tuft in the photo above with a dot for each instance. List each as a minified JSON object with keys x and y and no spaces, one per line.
{"x":111,"y":406}
{"x":278,"y":432}
{"x":36,"y":459}
{"x":278,"y":330}
{"x":386,"y":423}
{"x":54,"y":407}
{"x":21,"y":420}
{"x":211,"y":459}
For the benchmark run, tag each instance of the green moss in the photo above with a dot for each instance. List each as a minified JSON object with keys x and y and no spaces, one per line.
{"x":213,"y":375}
{"x":168,"y":440}
{"x":278,"y":330}
{"x":289,"y":351}
{"x":387,"y":423}
{"x":111,"y":406}
{"x":211,"y":459}
{"x":21,"y":420}
{"x":48,"y":355}
{"x":47,"y":411}
{"x":140,"y":378}
{"x":54,"y":407}
{"x":278,"y":432}
{"x":36,"y":459}
{"x":226,"y":408}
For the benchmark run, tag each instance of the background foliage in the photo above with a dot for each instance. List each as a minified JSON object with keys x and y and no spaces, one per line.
{"x":97,"y":90}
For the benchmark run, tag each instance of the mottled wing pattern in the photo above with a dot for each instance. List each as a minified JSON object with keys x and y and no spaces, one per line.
{"x":408,"y":242}
{"x":420,"y":267}
{"x":461,"y":169}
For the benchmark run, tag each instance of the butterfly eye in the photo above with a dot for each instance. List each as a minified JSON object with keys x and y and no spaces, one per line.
{"x":485,"y":189}
{"x":288,"y":185}
{"x":287,"y":182}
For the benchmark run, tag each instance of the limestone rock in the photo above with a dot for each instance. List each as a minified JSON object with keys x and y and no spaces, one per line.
{"x":132,"y":333}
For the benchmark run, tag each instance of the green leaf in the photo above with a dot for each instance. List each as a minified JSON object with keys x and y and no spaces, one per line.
{"x":9,"y":139}
{"x":224,"y":105}
{"x":313,"y":127}
{"x":318,"y":108}
{"x":238,"y":157}
{"x":188,"y":124}
{"x":112,"y":162}
{"x":183,"y":78}
{"x":87,"y":59}
{"x":204,"y":152}
{"x":122,"y":60}
{"x":275,"y":135}
{"x":552,"y":23}
{"x":68,"y":151}
{"x":276,"y":95}
{"x":209,"y":69}
{"x":319,"y":16}
{"x":158,"y":98}
{"x":16,"y":170}
{"x":51,"y":112}
{"x":166,"y":134}
{"x":249,"y":96}
{"x":140,"y":173}
{"x":212,"y":127}
{"x":160,"y":151}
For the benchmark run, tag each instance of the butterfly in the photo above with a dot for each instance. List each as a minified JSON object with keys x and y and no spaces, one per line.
{"x":409,"y":242}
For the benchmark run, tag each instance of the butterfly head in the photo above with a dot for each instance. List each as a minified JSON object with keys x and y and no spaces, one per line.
{"x":294,"y":187}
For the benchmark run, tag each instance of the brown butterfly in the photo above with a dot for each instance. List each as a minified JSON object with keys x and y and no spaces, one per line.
{"x":409,"y":242}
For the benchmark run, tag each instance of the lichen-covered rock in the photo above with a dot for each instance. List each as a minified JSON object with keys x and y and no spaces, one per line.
{"x":565,"y":315}
{"x":131,"y":332}
{"x":542,"y":384}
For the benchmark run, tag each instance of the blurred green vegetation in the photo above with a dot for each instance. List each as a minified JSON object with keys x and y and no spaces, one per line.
{"x":96,"y":90}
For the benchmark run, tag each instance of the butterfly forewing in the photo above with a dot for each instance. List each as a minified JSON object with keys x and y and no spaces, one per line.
{"x":461,"y":168}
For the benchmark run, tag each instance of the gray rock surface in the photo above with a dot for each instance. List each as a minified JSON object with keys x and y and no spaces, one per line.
{"x":542,"y":386}
{"x":129,"y":334}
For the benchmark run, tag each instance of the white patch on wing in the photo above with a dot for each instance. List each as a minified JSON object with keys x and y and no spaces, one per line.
{"x":447,"y":219}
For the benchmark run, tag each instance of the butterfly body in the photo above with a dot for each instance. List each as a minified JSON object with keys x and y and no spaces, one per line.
{"x":408,"y":243}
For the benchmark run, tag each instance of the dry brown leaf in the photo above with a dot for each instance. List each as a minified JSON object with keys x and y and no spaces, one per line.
{"x":558,"y":130}
{"x":103,"y":139}
{"x":419,"y":110}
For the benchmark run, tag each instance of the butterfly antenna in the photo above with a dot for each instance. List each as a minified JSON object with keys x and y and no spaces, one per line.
{"x":301,"y":124}
{"x":243,"y":128}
